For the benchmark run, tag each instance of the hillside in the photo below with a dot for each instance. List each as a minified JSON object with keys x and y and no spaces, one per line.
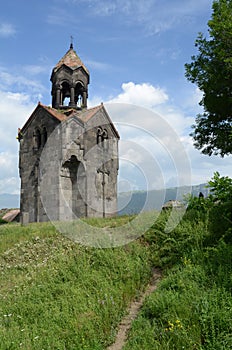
{"x":57,"y":294}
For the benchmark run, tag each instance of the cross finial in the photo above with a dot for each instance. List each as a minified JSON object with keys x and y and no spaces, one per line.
{"x":71,"y":42}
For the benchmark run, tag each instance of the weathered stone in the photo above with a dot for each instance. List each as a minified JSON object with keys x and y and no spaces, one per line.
{"x":68,"y":159}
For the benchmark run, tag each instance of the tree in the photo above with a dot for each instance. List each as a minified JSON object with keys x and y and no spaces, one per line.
{"x":211,"y":70}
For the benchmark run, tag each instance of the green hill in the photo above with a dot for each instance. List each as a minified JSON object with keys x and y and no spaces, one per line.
{"x":57,"y":294}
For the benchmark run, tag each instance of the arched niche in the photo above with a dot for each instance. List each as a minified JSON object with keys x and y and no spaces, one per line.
{"x":36,"y":139}
{"x":44,"y":136}
{"x":73,"y":188}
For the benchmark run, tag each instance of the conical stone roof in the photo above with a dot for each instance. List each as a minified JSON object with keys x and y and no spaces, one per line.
{"x":71,"y":60}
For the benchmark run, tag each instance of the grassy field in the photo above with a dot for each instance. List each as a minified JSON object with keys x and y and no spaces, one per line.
{"x":56,"y":294}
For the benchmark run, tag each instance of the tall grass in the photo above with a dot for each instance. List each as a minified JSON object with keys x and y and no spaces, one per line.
{"x":56,"y":294}
{"x":192,"y":308}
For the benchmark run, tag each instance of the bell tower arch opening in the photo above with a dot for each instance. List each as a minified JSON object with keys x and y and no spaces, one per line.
{"x":65,"y":94}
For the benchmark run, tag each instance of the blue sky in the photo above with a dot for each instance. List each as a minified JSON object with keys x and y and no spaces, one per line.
{"x":135,"y":52}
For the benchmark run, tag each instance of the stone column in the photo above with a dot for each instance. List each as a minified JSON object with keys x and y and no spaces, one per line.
{"x":72,"y":97}
{"x":84,"y":99}
{"x":58,"y":102}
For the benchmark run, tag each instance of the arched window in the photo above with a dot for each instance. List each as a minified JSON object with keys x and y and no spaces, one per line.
{"x":36,"y":139}
{"x":65,"y":94}
{"x":99,"y":135}
{"x":105,"y":138}
{"x":44,"y":136}
{"x":102,"y":137}
{"x":79,"y":94}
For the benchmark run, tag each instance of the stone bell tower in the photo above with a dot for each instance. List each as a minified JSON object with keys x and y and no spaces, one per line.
{"x":70,"y":79}
{"x":68,"y":157}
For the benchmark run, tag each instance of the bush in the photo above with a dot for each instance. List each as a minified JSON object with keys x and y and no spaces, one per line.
{"x":220,"y":223}
{"x":169,"y":247}
{"x":220,"y":214}
{"x":2,"y":221}
{"x":215,"y":210}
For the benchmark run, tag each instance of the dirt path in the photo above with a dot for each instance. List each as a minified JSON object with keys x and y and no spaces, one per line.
{"x":133,"y":311}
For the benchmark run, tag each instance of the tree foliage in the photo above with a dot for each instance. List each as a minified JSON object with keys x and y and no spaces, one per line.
{"x":221,"y":188}
{"x":211,"y":70}
{"x":216,"y":209}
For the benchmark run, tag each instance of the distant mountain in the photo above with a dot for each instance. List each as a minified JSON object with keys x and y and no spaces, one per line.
{"x":129,"y":202}
{"x":134,"y":202}
{"x":9,"y":200}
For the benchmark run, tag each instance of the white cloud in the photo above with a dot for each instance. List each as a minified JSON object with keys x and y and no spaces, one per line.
{"x":21,"y":83}
{"x":168,"y":15}
{"x":13,"y":114}
{"x":192,"y":100}
{"x":203,"y":166}
{"x":15,"y":109}
{"x":9,"y":178}
{"x":60,"y":17}
{"x":10,"y":185}
{"x":152,"y":145}
{"x":164,"y":54}
{"x":7,"y":30}
{"x":161,"y":131}
{"x":156,"y":99}
{"x":153,"y":16}
{"x":97,"y":65}
{"x":8,"y":164}
{"x":141,"y":94}
{"x":35,"y":69}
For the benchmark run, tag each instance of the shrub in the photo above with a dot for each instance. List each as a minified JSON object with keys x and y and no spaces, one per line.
{"x":220,"y":214}
{"x":215,"y":210}
{"x":2,"y":221}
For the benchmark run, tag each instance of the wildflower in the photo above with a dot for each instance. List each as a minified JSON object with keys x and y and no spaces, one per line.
{"x":178,"y":324}
{"x":186,"y":261}
{"x":172,"y":326}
